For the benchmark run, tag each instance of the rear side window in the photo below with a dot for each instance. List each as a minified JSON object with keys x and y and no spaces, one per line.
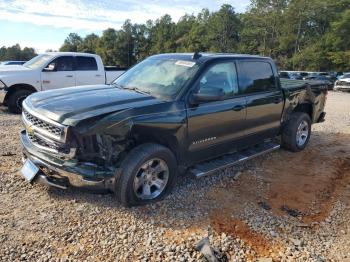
{"x":86,"y":63}
{"x":254,"y":77}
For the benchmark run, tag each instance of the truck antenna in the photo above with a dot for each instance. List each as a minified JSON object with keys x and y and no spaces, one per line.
{"x":196,"y":55}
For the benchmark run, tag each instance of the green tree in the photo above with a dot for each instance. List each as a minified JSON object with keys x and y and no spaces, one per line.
{"x":142,"y":40}
{"x":71,"y":43}
{"x":223,"y":30}
{"x":106,"y":48}
{"x":262,"y":27}
{"x":89,"y":44}
{"x":16,"y":53}
{"x":298,"y":34}
{"x":163,"y":32}
{"x":125,"y":45}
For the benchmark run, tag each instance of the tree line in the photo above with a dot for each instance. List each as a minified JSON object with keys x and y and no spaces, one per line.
{"x":16,"y":53}
{"x":298,"y":34}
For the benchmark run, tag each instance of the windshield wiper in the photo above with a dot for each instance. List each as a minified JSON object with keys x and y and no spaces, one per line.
{"x":138,"y":90}
{"x":118,"y":86}
{"x":133,"y":88}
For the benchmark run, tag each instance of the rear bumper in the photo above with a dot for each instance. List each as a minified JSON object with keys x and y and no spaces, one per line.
{"x":65,"y":173}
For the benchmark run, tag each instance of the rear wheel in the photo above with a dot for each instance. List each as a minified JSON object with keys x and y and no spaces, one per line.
{"x":16,"y":99}
{"x":147,"y":174}
{"x":296,"y":133}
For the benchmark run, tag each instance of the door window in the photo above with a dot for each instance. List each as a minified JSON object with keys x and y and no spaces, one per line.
{"x":255,"y":77}
{"x":220,"y":76}
{"x":63,"y":63}
{"x":86,"y":63}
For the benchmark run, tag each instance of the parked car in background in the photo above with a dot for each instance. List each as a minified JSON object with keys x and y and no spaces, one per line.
{"x":51,"y":71}
{"x":343,"y":84}
{"x":284,"y":74}
{"x":322,"y":78}
{"x":341,"y":74}
{"x":290,"y":75}
{"x":6,"y":63}
{"x":295,"y":76}
{"x":304,"y":74}
{"x":168,"y":114}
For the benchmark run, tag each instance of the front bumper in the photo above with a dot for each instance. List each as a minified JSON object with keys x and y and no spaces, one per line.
{"x":341,"y":88}
{"x":57,"y":172}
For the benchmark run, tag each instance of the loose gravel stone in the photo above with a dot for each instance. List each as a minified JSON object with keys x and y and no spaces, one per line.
{"x":45,"y":224}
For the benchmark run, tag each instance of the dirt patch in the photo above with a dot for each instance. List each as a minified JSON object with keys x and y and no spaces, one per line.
{"x":312,"y":186}
{"x":306,"y":182}
{"x":177,"y":236}
{"x":222,"y":223}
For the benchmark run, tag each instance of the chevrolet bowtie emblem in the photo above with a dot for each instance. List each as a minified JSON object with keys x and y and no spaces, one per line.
{"x":30,"y":130}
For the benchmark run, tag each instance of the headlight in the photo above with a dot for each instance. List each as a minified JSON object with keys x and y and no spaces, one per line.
{"x":2,"y":85}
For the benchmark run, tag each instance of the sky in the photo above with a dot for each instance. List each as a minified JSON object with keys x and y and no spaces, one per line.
{"x":44,"y":24}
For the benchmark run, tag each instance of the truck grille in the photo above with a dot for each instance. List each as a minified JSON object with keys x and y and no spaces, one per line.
{"x":43,"y":143}
{"x":57,"y":131}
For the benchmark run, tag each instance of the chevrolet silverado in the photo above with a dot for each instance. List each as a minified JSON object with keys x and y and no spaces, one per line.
{"x":169,"y":114}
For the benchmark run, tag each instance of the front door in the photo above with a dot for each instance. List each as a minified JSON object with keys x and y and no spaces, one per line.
{"x":59,"y":73}
{"x":214,"y":126}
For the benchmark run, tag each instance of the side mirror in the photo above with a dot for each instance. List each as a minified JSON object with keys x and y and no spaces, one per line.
{"x":216,"y":94}
{"x":49,"y":68}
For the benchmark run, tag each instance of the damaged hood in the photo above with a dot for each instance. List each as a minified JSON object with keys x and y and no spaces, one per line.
{"x":69,"y":106}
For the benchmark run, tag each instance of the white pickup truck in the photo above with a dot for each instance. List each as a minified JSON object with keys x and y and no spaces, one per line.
{"x":51,"y":71}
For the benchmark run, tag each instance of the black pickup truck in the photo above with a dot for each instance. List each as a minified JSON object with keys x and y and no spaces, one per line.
{"x":169,"y":114}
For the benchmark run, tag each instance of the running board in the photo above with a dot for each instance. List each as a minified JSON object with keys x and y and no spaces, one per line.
{"x":229,"y":160}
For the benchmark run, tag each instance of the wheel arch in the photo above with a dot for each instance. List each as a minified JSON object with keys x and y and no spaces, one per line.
{"x":12,"y":89}
{"x":305,"y":107}
{"x":169,"y":142}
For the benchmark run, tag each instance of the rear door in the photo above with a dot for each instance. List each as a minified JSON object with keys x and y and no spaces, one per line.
{"x":214,"y":126}
{"x":264,"y":98}
{"x":87,"y":71}
{"x":59,"y":73}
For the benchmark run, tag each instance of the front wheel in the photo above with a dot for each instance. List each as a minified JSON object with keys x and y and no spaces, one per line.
{"x":16,"y":99}
{"x":147,"y":174}
{"x":296,"y":133}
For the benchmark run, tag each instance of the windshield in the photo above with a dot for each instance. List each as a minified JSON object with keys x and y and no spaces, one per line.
{"x":38,"y":61}
{"x":158,"y":77}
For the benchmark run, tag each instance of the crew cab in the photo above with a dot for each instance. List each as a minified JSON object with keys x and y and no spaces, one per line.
{"x":169,"y":114}
{"x":51,"y":71}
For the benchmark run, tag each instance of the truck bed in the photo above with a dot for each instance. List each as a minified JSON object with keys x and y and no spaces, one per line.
{"x":296,"y":84}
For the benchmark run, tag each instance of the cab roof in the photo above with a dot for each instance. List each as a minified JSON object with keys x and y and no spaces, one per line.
{"x":203,"y":57}
{"x":69,"y":53}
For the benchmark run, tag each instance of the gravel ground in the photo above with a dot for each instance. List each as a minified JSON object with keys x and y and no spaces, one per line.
{"x":240,"y":209}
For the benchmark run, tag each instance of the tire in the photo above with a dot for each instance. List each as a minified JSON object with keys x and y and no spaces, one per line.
{"x":132,"y":179}
{"x":16,"y":99}
{"x":292,"y":139}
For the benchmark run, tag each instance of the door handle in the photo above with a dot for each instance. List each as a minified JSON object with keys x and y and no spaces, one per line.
{"x":238,"y":108}
{"x":69,"y":75}
{"x":97,"y":75}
